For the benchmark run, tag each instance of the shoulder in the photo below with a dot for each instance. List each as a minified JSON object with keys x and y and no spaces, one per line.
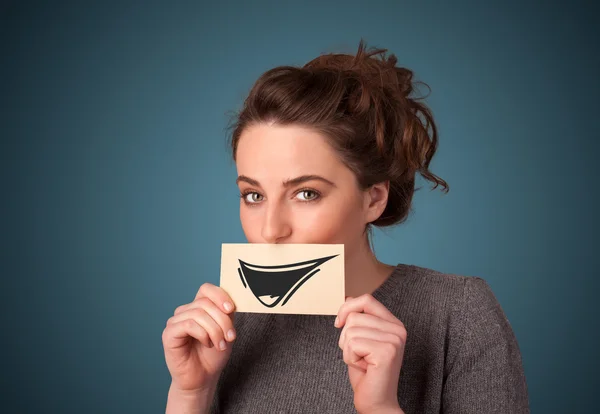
{"x":473,"y":288}
{"x":465,"y":306}
{"x":449,"y":298}
{"x":431,"y":275}
{"x":469,"y":294}
{"x":431,"y":286}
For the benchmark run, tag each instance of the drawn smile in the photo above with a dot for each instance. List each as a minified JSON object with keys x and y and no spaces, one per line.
{"x":272,"y":284}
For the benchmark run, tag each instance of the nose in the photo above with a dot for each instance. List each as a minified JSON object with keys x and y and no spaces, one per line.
{"x":276,"y":227}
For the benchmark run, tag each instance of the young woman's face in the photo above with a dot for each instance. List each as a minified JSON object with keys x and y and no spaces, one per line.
{"x":296,"y":190}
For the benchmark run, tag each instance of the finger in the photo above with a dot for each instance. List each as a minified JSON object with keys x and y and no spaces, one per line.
{"x":372,"y":352}
{"x":365,"y":303}
{"x":353,"y":360}
{"x":176,"y":335}
{"x":203,"y":318}
{"x":226,"y":322}
{"x":355,"y":319}
{"x":368,"y":333}
{"x":218,"y":295}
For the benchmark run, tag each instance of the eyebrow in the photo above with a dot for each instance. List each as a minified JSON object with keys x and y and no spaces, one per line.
{"x":287,"y":183}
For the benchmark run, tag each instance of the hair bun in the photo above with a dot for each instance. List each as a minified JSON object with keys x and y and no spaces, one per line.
{"x":372,"y":65}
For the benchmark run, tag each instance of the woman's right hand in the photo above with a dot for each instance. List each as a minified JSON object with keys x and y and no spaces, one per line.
{"x":193,"y":338}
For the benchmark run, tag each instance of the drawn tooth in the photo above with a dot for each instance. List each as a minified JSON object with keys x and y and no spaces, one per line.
{"x":268,"y":299}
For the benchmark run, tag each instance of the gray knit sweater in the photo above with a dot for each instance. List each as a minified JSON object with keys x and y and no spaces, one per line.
{"x":461,"y":354}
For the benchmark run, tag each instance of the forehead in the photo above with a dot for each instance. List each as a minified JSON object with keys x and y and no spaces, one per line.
{"x":284,"y":151}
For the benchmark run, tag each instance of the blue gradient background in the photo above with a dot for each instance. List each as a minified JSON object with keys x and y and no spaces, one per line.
{"x":117,"y":187}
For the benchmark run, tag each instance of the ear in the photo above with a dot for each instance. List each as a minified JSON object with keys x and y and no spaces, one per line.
{"x":376,"y":198}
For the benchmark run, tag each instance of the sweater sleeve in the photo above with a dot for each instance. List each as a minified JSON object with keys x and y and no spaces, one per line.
{"x":484,"y":372}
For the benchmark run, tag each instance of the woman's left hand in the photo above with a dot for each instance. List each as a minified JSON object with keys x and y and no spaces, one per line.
{"x":373,"y":341}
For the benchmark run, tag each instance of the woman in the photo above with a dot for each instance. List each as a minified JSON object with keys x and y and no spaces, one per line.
{"x":324,"y":152}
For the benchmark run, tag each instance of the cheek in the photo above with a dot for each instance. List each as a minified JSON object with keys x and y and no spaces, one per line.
{"x":250,"y":224}
{"x":339,"y":223}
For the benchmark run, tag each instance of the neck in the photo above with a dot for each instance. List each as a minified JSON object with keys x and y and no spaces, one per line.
{"x":364,"y":273}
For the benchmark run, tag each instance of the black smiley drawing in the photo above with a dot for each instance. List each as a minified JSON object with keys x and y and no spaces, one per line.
{"x":272,"y":284}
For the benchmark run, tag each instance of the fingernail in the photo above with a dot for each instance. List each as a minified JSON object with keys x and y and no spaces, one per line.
{"x":228,"y":306}
{"x":231,"y":335}
{"x":337,"y":319}
{"x":222,"y":345}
